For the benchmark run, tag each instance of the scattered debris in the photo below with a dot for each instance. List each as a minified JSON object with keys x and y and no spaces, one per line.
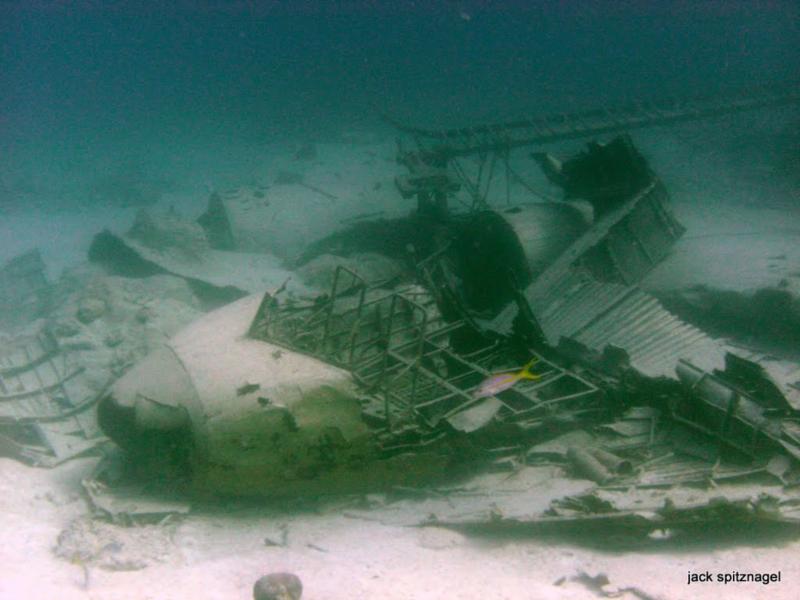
{"x":282,"y":537}
{"x":90,"y":543}
{"x":46,"y":403}
{"x":167,"y":244}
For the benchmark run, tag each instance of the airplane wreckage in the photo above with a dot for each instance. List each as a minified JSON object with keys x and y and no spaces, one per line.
{"x":374,"y":385}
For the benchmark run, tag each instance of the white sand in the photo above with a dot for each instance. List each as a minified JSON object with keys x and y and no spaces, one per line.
{"x":219,"y":555}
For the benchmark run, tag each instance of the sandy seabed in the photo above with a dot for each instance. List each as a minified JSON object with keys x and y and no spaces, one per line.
{"x":219,"y":553}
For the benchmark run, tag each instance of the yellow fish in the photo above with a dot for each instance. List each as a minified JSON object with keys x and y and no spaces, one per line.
{"x":502,"y":381}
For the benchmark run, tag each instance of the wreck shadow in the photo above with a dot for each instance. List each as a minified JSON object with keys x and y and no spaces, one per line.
{"x":699,"y":538}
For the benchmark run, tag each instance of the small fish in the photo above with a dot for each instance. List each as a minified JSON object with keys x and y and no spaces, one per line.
{"x":502,"y":381}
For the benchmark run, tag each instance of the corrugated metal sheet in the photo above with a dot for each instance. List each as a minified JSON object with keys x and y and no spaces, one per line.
{"x":597,"y":314}
{"x":570,"y":301}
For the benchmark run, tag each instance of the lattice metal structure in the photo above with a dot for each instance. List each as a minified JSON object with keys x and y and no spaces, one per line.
{"x":46,"y":411}
{"x":398,"y":348}
{"x":435,"y":160}
{"x":539,"y":130}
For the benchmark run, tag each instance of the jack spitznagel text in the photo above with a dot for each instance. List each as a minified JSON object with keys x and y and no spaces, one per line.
{"x":732,"y":577}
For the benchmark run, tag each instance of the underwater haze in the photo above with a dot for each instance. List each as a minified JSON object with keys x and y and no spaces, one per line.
{"x":182,"y":91}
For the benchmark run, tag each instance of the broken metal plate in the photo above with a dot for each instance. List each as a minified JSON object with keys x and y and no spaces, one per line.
{"x":539,"y":500}
{"x":46,"y":410}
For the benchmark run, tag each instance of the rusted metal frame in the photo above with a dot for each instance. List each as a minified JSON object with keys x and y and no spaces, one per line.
{"x":377,"y":357}
{"x":542,"y":383}
{"x":425,"y":267}
{"x":427,"y":389}
{"x":492,"y":350}
{"x":421,"y":328}
{"x":477,"y":201}
{"x":457,"y":138}
{"x":547,"y":405}
{"x":414,"y":306}
{"x":309,"y":326}
{"x":466,"y":403}
{"x":404,"y":329}
{"x":685,"y":115}
{"x":469,"y":364}
{"x":354,"y":331}
{"x":391,"y":400}
{"x":417,"y":361}
{"x":412,"y":343}
{"x":508,"y":177}
{"x":746,"y":99}
{"x":435,"y":378}
{"x":462,"y":175}
{"x":409,"y":365}
{"x":572,"y":375}
{"x":468,"y":392}
{"x":485,"y":195}
{"x":385,"y":361}
{"x":461,"y":376}
{"x":261,"y":322}
{"x":334,"y":286}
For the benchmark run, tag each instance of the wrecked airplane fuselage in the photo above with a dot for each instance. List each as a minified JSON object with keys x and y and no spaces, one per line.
{"x":238,"y":415}
{"x":365,"y":387}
